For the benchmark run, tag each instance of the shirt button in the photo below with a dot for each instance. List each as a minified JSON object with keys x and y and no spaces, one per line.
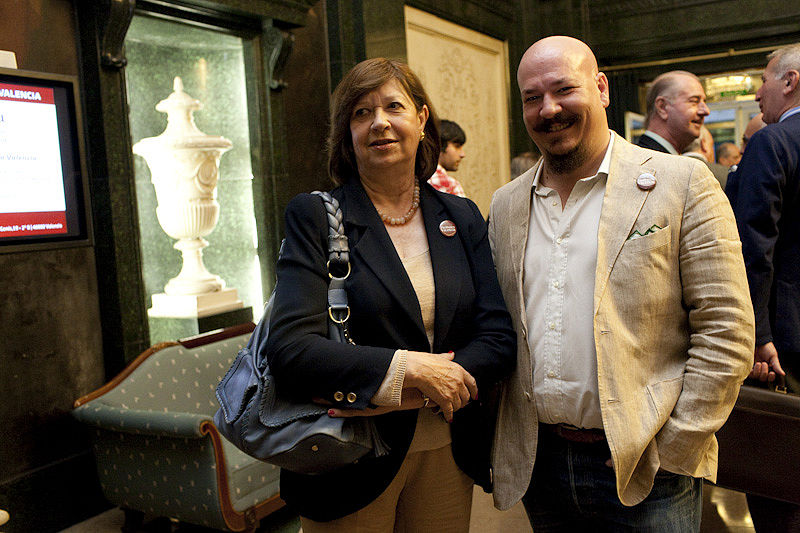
{"x":527,"y":395}
{"x":351,"y":397}
{"x":558,"y":241}
{"x":552,"y":325}
{"x":551,"y":374}
{"x":555,"y":204}
{"x":338,"y":396}
{"x":555,"y":284}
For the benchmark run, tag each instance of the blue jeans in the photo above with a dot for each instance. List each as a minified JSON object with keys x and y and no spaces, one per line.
{"x":573,"y":490}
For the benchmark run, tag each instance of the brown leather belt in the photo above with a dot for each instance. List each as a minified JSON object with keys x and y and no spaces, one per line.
{"x":586,"y":436}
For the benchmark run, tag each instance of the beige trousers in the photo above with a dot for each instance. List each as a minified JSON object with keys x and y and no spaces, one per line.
{"x":429,"y":494}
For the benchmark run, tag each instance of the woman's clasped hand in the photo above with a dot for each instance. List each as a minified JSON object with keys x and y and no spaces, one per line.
{"x":446,"y":385}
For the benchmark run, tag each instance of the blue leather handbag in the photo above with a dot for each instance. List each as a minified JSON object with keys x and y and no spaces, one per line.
{"x":299,"y":437}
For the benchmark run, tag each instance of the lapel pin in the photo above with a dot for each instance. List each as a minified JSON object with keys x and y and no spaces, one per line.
{"x":448,"y":228}
{"x":646,"y":181}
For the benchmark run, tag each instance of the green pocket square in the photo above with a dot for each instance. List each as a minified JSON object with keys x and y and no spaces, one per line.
{"x":637,"y":234}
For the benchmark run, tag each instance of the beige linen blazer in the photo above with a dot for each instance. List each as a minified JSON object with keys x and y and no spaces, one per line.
{"x":673,"y":323}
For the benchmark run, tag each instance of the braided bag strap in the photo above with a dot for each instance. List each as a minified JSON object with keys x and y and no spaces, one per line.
{"x":338,"y":247}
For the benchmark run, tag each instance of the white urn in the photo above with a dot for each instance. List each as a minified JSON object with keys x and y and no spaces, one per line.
{"x":184,"y":169}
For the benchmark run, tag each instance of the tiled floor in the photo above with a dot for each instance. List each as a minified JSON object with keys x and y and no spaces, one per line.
{"x":724,"y":511}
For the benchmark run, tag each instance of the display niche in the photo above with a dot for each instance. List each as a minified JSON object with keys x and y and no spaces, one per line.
{"x":212,"y":69}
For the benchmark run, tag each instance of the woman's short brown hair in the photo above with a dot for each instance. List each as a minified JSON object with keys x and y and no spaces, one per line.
{"x":360,"y":80}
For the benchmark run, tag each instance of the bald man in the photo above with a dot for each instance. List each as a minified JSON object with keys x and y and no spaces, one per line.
{"x":622,"y":270}
{"x":676,"y":110}
{"x":728,"y":154}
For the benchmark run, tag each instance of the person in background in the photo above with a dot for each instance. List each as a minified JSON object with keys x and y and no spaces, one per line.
{"x":623,"y":274}
{"x":523,"y":162}
{"x":753,"y":125}
{"x":728,"y":154}
{"x":702,"y":148}
{"x":676,"y":110}
{"x":765,"y":195}
{"x":426,"y":315}
{"x":453,"y":140}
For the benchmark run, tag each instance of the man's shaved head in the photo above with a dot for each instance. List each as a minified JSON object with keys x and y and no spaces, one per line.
{"x":568,"y":48}
{"x":564,"y":97}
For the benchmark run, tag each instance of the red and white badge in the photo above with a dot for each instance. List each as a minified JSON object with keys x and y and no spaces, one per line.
{"x":448,"y":228}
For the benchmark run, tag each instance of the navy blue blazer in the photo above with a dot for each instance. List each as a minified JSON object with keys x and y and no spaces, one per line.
{"x":471,"y":319}
{"x":765,"y":195}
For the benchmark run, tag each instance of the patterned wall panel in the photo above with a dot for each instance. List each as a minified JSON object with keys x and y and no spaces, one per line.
{"x":466,"y":76}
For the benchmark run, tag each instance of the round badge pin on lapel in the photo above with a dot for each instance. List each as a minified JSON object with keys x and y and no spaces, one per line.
{"x":448,"y":228}
{"x":646,"y":181}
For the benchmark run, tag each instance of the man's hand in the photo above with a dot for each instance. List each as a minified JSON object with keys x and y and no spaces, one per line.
{"x":766,"y":363}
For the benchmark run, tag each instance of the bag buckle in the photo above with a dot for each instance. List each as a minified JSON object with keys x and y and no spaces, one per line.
{"x":339,"y":321}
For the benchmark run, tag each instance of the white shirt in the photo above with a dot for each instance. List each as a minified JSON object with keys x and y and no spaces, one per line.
{"x":662,"y":141}
{"x":558,"y":285}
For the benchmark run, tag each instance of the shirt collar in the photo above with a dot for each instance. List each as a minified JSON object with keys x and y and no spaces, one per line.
{"x":792,"y":111}
{"x":662,"y":141}
{"x":605,"y":166}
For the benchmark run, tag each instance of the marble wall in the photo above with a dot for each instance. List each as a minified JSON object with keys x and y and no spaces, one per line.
{"x":466,"y":76}
{"x":50,"y":341}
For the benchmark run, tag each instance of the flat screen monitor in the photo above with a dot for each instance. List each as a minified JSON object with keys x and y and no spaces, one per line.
{"x":44,"y":200}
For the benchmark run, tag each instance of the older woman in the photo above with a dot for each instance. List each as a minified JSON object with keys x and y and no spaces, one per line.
{"x":427,"y":316}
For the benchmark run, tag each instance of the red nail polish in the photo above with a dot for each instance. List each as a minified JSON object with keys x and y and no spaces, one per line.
{"x":331,"y":412}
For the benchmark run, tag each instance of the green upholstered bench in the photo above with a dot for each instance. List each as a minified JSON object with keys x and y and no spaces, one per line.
{"x":157,"y":449}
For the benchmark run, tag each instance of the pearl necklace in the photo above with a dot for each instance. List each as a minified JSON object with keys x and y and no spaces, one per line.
{"x":399,"y":221}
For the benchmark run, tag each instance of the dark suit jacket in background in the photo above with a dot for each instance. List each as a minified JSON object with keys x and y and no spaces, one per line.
{"x":720,"y":171}
{"x":765,"y":194}
{"x":471,"y":319}
{"x":648,"y":142}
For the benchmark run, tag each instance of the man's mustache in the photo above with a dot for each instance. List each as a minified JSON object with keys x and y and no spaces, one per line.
{"x":559,"y":121}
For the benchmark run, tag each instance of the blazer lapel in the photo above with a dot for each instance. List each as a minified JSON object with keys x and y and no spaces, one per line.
{"x":449,"y":262}
{"x":520,"y":216}
{"x":375,"y":248}
{"x":622,"y":204}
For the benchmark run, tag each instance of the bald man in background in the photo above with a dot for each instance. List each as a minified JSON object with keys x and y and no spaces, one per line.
{"x":676,"y":110}
{"x":728,"y":154}
{"x":622,"y":270}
